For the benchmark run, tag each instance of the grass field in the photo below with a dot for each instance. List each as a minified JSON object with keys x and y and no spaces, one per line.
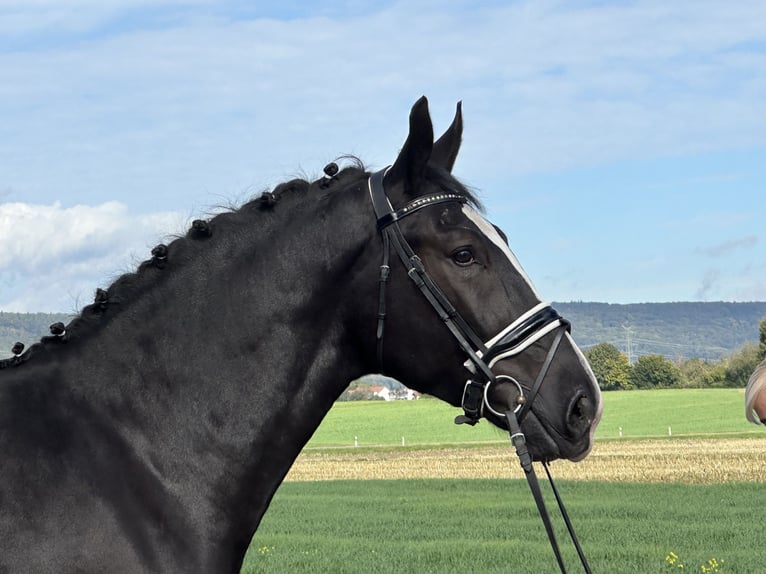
{"x":453,"y":499}
{"x":637,"y":413}
{"x":492,"y":526}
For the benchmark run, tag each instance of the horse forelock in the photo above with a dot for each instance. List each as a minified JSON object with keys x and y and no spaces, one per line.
{"x":449,"y":183}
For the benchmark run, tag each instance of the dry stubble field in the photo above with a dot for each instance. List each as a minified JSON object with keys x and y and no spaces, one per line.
{"x":688,"y":461}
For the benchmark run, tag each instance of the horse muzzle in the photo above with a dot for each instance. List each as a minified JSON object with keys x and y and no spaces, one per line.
{"x":564,"y":415}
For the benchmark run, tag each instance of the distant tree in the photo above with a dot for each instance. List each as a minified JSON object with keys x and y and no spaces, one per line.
{"x":762,"y":345}
{"x":695,"y":372}
{"x":716,"y":375}
{"x":741,"y":364}
{"x":699,"y":373}
{"x":610,"y":366}
{"x":654,"y":371}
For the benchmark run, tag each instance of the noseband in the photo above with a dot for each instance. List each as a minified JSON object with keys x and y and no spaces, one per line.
{"x":482,"y":356}
{"x":527,"y":329}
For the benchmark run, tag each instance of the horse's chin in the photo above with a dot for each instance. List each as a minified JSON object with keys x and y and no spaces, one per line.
{"x":545,"y":441}
{"x":580,"y":457}
{"x":556,"y":447}
{"x":545,"y":444}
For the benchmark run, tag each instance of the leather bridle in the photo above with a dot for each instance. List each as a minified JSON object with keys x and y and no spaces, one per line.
{"x":527,"y":329}
{"x":482,"y":356}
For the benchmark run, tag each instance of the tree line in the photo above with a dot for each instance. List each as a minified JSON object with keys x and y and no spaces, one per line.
{"x":614,"y":371}
{"x":709,"y":330}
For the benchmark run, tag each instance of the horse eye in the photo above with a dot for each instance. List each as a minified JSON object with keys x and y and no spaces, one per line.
{"x":463,"y":256}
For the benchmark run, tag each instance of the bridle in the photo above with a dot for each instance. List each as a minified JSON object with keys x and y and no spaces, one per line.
{"x":527,"y":329}
{"x":514,"y":339}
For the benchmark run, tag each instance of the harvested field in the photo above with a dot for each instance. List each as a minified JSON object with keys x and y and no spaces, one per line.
{"x":688,"y":461}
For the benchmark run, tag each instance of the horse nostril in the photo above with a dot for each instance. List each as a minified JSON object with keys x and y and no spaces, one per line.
{"x":581,"y":413}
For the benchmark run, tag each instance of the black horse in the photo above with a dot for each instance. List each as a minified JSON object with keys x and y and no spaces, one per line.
{"x":150,"y":434}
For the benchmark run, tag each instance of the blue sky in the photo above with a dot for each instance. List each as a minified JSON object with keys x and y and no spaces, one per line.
{"x":620,"y":145}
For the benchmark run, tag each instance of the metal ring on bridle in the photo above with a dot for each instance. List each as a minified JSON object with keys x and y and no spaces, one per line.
{"x":486,"y":398}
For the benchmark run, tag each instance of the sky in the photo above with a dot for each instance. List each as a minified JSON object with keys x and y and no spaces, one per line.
{"x":620,"y":145}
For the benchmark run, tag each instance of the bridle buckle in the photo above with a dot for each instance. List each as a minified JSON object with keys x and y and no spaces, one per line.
{"x":473,"y":403}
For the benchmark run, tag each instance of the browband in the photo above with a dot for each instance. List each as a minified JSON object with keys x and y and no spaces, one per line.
{"x":386,"y":214}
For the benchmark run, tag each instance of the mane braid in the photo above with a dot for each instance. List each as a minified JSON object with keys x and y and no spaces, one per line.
{"x":129,"y":287}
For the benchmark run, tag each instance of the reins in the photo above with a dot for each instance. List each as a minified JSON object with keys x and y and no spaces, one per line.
{"x":514,"y":339}
{"x":520,"y":444}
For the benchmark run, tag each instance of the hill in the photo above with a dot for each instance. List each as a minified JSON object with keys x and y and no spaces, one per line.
{"x":676,"y":330}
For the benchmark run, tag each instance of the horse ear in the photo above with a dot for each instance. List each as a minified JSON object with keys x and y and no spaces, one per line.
{"x":447,"y":146}
{"x":410,"y":166}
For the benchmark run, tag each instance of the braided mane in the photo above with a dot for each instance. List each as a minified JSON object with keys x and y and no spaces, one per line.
{"x":129,"y":287}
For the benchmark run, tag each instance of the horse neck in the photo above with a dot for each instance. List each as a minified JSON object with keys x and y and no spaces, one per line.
{"x":217,"y":380}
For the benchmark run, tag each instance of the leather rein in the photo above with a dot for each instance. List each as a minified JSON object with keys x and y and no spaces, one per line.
{"x":482,"y":356}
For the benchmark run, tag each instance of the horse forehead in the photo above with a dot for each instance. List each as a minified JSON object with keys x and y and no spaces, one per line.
{"x":489,"y":231}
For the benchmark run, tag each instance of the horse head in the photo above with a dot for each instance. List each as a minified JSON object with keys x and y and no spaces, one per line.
{"x":459,"y":318}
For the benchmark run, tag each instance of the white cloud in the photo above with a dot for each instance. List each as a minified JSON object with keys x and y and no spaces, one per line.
{"x":549,"y":85}
{"x":53,"y":17}
{"x":53,"y":258}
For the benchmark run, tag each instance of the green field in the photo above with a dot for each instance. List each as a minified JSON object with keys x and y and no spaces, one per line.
{"x":492,"y":525}
{"x":488,"y":526}
{"x":639,"y":413}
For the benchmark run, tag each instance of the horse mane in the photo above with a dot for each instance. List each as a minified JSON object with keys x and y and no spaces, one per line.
{"x":109,"y":302}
